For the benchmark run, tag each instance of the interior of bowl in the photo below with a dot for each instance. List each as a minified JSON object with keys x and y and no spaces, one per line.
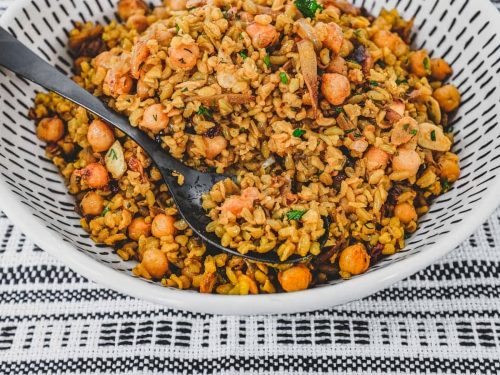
{"x":464,"y":34}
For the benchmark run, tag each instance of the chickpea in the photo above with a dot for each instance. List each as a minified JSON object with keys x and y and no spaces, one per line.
{"x":448,"y":97}
{"x":50,"y":129}
{"x":183,"y":56}
{"x":154,"y":118}
{"x":354,"y":259}
{"x":420,"y":63}
{"x":262,"y":35}
{"x":176,"y":4}
{"x":155,"y":262}
{"x":95,"y":175}
{"x":440,"y":69}
{"x":405,"y":212}
{"x":92,"y":204}
{"x":449,"y":167}
{"x":138,"y":227}
{"x":376,"y":159}
{"x":335,"y":88}
{"x":331,"y":35}
{"x":386,"y":39}
{"x":406,"y":161}
{"x":163,"y":225}
{"x":138,"y":22}
{"x":214,"y":146}
{"x":127,"y":8}
{"x":295,"y":278}
{"x":100,"y":136}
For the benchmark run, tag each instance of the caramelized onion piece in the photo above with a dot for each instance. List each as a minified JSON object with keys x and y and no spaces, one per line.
{"x":309,"y":66}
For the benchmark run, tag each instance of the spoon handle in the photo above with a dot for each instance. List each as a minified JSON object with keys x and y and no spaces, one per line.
{"x":16,"y":57}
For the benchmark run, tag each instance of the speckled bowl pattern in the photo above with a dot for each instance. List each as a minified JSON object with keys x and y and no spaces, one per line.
{"x":34,"y":197}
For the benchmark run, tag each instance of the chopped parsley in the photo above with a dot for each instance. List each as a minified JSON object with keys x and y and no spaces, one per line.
{"x":357,"y":32}
{"x":414,"y":132}
{"x":112,"y":154}
{"x":177,"y":28}
{"x":295,"y":214}
{"x":338,"y":110}
{"x":267,"y":61}
{"x":445,"y":184}
{"x":184,"y":89}
{"x":283,"y":78}
{"x":400,"y":81}
{"x":427,"y":64}
{"x":349,"y":130}
{"x":406,"y":126}
{"x":298,"y":133}
{"x":204,"y":111}
{"x":381,"y":63}
{"x":243,"y":54}
{"x":105,"y":211}
{"x":433,"y":135}
{"x":374,"y":83}
{"x":308,"y":8}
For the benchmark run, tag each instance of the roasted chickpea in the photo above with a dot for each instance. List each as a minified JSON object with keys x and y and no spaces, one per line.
{"x":405,"y":212}
{"x":95,"y":175}
{"x":354,"y":259}
{"x":138,"y":227}
{"x":127,"y":8}
{"x":440,"y":69}
{"x":92,"y":204}
{"x":214,"y":146}
{"x":100,"y":136}
{"x":449,"y":167}
{"x":376,"y":159}
{"x":154,"y":118}
{"x":155,"y":262}
{"x":335,"y":88}
{"x":163,"y":225}
{"x":50,"y":129}
{"x":176,"y":4}
{"x":295,"y":278}
{"x":138,"y":22}
{"x":448,"y":97}
{"x":420,"y":64}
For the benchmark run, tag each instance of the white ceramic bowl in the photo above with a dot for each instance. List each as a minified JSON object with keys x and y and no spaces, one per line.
{"x":35,"y":198}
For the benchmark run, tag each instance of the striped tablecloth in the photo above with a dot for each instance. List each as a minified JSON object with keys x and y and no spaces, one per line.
{"x":444,"y":319}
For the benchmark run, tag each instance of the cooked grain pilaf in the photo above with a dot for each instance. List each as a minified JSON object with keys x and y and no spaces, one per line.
{"x":319,"y":109}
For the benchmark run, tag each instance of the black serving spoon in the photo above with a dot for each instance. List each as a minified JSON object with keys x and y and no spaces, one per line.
{"x":21,"y":60}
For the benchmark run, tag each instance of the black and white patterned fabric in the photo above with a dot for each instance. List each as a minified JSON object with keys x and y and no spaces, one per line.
{"x":444,"y":319}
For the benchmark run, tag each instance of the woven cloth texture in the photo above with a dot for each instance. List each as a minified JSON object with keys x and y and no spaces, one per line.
{"x":444,"y":319}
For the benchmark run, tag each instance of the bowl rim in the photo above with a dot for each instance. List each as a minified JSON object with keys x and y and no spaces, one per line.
{"x":279,"y":303}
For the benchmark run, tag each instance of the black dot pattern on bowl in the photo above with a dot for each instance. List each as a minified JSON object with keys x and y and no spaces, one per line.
{"x":471,"y":47}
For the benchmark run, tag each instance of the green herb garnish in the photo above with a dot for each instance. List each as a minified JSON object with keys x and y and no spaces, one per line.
{"x":177,"y":28}
{"x":184,"y":89}
{"x":243,"y":54}
{"x":112,"y":154}
{"x":406,"y":126}
{"x":267,"y":61}
{"x":298,"y":133}
{"x":283,"y":78}
{"x":427,"y":64}
{"x":308,"y":8}
{"x":414,"y":132}
{"x":445,"y":184}
{"x":105,"y":211}
{"x":348,"y":131}
{"x":204,"y":111}
{"x":433,"y":135}
{"x":374,"y":83}
{"x":295,"y":214}
{"x":400,"y":81}
{"x":381,"y":63}
{"x":357,"y":32}
{"x":338,"y":110}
